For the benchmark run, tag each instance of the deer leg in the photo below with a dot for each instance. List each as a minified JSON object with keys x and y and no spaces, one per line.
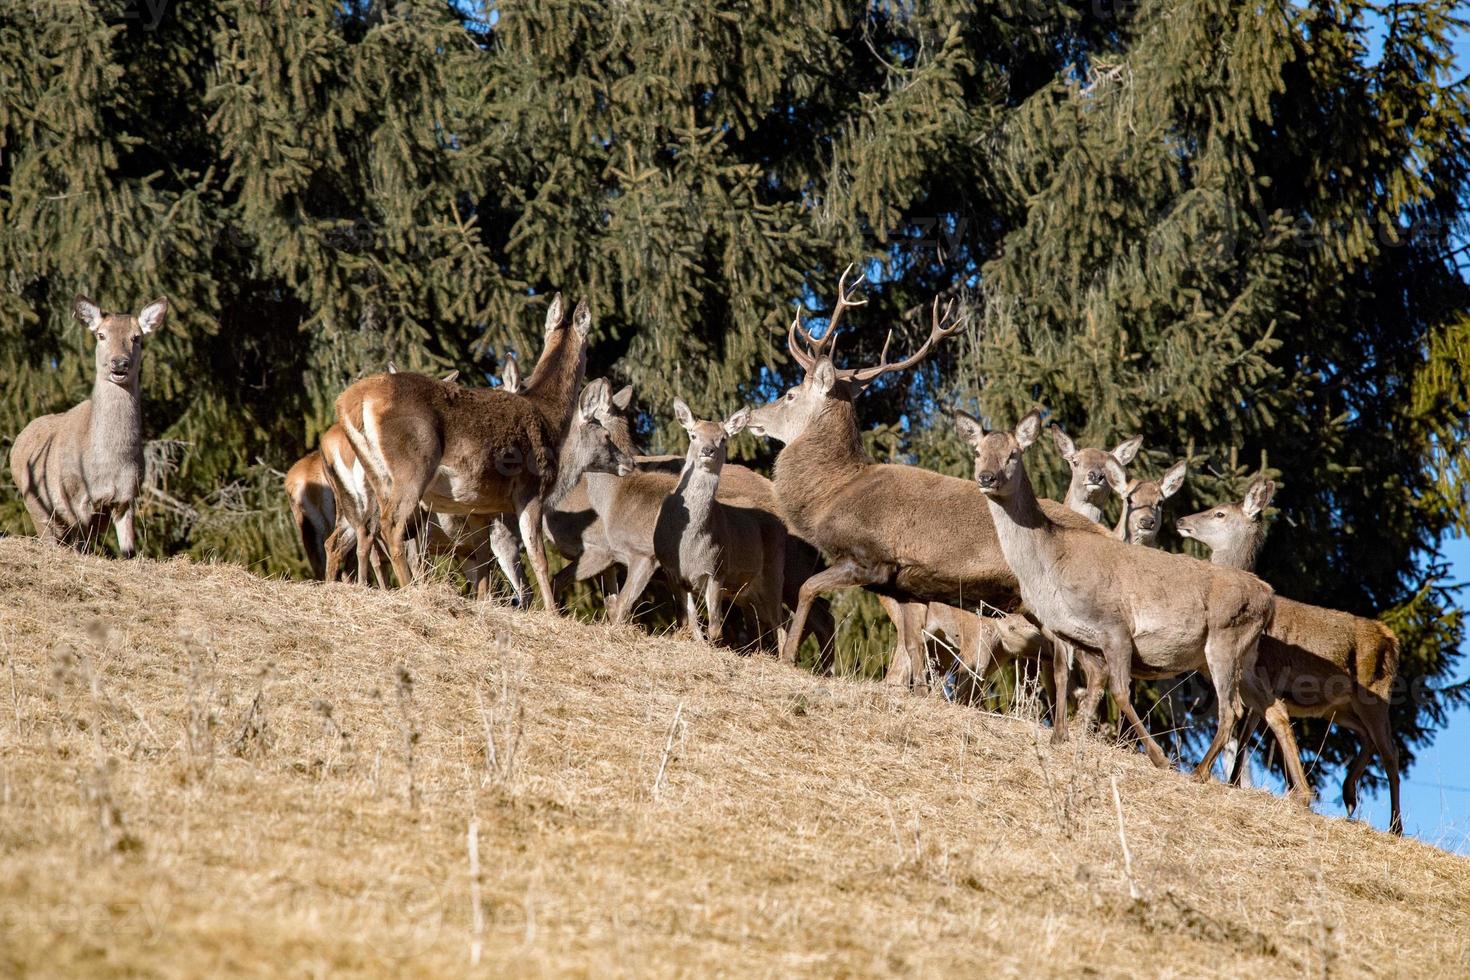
{"x":1377,"y":731}
{"x":335,"y":553}
{"x":1061,"y":671}
{"x":712,"y":609}
{"x":122,"y":523}
{"x":1226,"y":658}
{"x":1095,"y":674}
{"x":1238,"y":749}
{"x":639,"y":572}
{"x":843,"y":575}
{"x":529,"y":518}
{"x":505,"y":544}
{"x":1118,"y":654}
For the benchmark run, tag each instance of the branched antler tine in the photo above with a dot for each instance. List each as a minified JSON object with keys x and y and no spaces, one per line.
{"x":844,"y":300}
{"x":805,"y":358}
{"x":938,"y":331}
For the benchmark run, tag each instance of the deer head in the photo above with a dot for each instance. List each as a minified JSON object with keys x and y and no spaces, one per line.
{"x":707,"y":440}
{"x":119,"y":337}
{"x":1143,"y":504}
{"x":510,"y":375}
{"x":591,"y":446}
{"x":998,"y":468}
{"x":787,"y":417}
{"x":1232,"y":525}
{"x":1089,"y":484}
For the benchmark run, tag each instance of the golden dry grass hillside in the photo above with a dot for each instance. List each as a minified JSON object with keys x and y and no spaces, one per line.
{"x":203,"y":772}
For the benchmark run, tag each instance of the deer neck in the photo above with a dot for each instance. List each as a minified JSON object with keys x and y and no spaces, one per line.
{"x":117,"y":420}
{"x":1079,"y":500}
{"x":569,"y":471}
{"x":697,"y":488}
{"x":1025,"y":533}
{"x":553,"y":384}
{"x":1241,"y":553}
{"x":820,"y":460}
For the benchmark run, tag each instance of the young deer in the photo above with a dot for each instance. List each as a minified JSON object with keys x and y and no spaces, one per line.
{"x":1323,"y":663}
{"x":1089,"y":489}
{"x":706,"y":545}
{"x":1143,"y":506}
{"x":1169,"y":612}
{"x":472,"y":450}
{"x":76,"y":469}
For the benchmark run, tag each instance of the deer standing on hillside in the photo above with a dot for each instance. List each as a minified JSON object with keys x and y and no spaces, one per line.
{"x":1169,"y":612}
{"x":76,"y":469}
{"x":473,"y":450}
{"x":902,"y":531}
{"x":1323,"y":663}
{"x":706,"y":545}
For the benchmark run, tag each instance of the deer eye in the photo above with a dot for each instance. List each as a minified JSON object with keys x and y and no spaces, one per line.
{"x":1219,"y":514}
{"x":102,"y":336}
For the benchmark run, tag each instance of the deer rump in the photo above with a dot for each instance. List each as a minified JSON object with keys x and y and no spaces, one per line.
{"x":480,"y":441}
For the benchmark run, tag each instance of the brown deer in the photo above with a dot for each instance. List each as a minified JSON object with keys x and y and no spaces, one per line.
{"x":77,"y":469}
{"x":1169,"y":613}
{"x":1088,"y":489}
{"x":974,"y":646}
{"x":709,"y":546}
{"x":1142,"y":516}
{"x":902,"y":531}
{"x":473,"y":450}
{"x":313,"y":508}
{"x":1323,"y":663}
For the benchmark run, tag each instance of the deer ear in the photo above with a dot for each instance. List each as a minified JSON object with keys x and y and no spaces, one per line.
{"x":737,"y":422}
{"x":553,"y":313}
{"x":510,"y":375}
{"x":451,"y":377}
{"x":152,"y":316}
{"x":392,"y":368}
{"x":824,"y":376}
{"x":595,"y":398}
{"x":1028,"y":429}
{"x":1127,"y":449}
{"x":969,"y":428}
{"x":1117,"y":476}
{"x":1064,"y":442}
{"x":88,"y":312}
{"x":582,"y":320}
{"x":1258,"y":497}
{"x":623,"y":398}
{"x":682,"y":413}
{"x":1171,"y":481}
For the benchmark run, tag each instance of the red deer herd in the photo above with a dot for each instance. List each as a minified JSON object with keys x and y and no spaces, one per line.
{"x":417,"y":466}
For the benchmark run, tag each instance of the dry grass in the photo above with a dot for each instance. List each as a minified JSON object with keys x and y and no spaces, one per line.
{"x":203,"y":771}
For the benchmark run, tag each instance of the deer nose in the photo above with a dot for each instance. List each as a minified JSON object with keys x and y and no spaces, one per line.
{"x":986,"y":479}
{"x":1147,"y":523}
{"x":1096,"y":477}
{"x":120,"y":365}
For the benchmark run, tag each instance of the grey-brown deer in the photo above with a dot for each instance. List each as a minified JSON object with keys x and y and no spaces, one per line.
{"x":1321,"y":662}
{"x":1142,"y":516}
{"x":78,"y":469}
{"x":1169,"y":612}
{"x":475,"y":450}
{"x":313,"y":508}
{"x":1088,"y":489}
{"x":710,"y":547}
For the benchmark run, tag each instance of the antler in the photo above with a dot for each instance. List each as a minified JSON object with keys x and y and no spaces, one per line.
{"x":942,"y":326}
{"x":817,"y":348}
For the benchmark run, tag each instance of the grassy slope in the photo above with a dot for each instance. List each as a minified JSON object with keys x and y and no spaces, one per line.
{"x":804,"y":825}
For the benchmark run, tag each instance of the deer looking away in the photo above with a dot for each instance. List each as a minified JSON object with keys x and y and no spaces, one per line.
{"x":1322,"y":663}
{"x":477,"y":450}
{"x":1088,"y":489}
{"x":709,"y":546}
{"x":77,"y":469}
{"x":901,"y":531}
{"x":1170,"y":613}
